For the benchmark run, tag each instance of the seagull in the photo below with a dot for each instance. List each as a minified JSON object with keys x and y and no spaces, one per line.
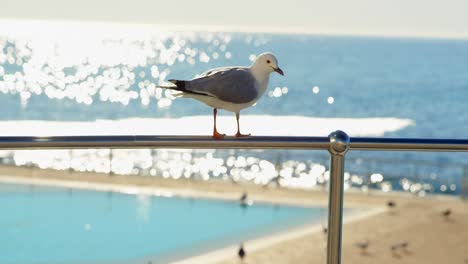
{"x":324,"y":230}
{"x":363,"y":245}
{"x":404,"y":246}
{"x":391,"y":204}
{"x":241,"y":253}
{"x":446,"y":213}
{"x":230,"y":88}
{"x":244,"y":200}
{"x":400,"y":245}
{"x":394,"y":248}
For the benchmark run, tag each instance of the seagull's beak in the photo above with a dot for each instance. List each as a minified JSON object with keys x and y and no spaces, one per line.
{"x":278,"y":70}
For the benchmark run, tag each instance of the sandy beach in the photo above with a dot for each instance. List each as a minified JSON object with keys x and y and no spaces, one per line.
{"x":430,"y":237}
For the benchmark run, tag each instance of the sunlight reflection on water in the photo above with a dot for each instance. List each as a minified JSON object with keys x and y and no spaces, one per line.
{"x":198,"y":164}
{"x":110,"y":68}
{"x":95,"y":63}
{"x":258,"y":167}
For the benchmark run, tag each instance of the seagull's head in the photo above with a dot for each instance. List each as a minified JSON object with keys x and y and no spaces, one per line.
{"x":267,"y":62}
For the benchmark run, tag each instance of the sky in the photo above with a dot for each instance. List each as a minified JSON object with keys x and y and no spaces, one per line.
{"x":375,"y":17}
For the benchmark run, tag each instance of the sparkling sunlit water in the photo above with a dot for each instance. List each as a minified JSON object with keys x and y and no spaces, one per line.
{"x":88,"y":72}
{"x":56,"y":225}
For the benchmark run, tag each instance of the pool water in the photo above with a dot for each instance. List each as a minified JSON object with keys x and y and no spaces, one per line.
{"x":60,"y":225}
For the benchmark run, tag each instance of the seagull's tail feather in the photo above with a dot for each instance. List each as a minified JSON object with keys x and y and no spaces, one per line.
{"x":181,"y":87}
{"x":176,"y":87}
{"x":180,"y":84}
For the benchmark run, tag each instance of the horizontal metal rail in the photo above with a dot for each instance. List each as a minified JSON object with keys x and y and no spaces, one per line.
{"x":199,"y":142}
{"x":409,"y":144}
{"x":337,"y":143}
{"x":205,"y":142}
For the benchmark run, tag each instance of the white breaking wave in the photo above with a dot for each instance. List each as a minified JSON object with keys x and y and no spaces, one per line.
{"x":257,"y":125}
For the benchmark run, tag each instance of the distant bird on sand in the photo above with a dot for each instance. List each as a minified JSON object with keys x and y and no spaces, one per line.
{"x":403,"y":245}
{"x":394,"y":249}
{"x":241,"y":253}
{"x":244,"y":200}
{"x":446,"y":213}
{"x":391,"y":204}
{"x":324,"y":230}
{"x":363,"y":245}
{"x":230,"y":88}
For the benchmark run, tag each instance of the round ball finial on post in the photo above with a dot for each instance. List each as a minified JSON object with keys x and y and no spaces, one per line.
{"x":339,"y":142}
{"x":339,"y":145}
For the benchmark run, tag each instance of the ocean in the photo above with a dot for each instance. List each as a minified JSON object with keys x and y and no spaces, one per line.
{"x":72,"y":78}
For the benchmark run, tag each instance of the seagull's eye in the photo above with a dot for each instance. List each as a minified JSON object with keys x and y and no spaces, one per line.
{"x":268,"y":61}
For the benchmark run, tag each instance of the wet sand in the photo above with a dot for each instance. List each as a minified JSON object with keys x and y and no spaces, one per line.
{"x":431,"y":237}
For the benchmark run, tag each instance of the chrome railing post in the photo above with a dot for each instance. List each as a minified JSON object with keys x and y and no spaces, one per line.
{"x":464,"y":185}
{"x":339,"y":145}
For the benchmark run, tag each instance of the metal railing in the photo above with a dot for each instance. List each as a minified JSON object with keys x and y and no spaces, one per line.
{"x":337,"y":143}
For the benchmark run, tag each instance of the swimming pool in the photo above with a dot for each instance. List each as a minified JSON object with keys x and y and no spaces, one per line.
{"x":60,"y":225}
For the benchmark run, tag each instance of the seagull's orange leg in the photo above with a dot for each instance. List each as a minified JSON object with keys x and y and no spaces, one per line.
{"x":216,"y":135}
{"x":239,"y":134}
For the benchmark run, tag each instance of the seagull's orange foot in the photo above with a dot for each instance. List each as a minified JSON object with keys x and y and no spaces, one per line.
{"x":217,"y":135}
{"x":238,"y":134}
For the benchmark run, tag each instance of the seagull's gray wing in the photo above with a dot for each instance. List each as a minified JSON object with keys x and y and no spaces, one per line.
{"x":235,"y":84}
{"x":220,"y":69}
